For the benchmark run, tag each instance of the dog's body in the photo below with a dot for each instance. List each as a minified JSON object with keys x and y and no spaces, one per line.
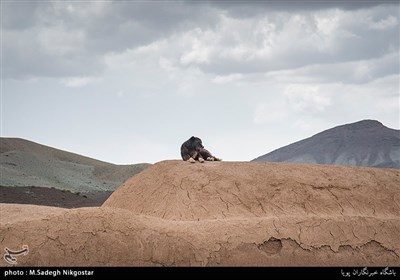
{"x":193,"y":150}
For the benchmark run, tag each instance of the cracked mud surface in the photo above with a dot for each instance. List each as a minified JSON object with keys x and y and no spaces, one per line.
{"x":221,"y":214}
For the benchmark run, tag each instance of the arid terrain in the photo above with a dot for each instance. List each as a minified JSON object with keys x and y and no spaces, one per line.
{"x":26,"y":163}
{"x":221,"y":214}
{"x":52,"y":197}
{"x":32,"y":173}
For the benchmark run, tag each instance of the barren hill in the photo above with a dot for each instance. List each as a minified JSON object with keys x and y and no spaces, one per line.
{"x":364,"y":143}
{"x":221,"y":213}
{"x":25,"y":163}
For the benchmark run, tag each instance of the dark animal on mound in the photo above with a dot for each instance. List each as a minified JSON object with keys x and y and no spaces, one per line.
{"x":193,"y":150}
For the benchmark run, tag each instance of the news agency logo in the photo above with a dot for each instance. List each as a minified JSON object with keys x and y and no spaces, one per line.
{"x":9,"y":256}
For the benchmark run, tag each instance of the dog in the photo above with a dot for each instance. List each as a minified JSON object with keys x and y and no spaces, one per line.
{"x":193,"y":150}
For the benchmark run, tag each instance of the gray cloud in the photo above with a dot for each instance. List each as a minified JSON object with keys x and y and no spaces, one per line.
{"x":286,"y":41}
{"x":123,"y":25}
{"x":21,"y":15}
{"x":37,"y":53}
{"x":357,"y":72}
{"x":253,"y":8}
{"x":70,"y":38}
{"x":54,"y":38}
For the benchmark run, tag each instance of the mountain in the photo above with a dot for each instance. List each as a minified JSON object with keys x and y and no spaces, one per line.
{"x":363,"y":143}
{"x":27,"y":164}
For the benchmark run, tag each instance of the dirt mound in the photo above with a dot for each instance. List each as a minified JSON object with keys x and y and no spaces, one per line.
{"x":178,"y":190}
{"x":223,"y":213}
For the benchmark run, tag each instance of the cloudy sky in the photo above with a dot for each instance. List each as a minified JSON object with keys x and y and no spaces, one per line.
{"x":129,"y":81}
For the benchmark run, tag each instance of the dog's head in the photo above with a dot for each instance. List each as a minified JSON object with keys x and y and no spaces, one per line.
{"x":196,"y":143}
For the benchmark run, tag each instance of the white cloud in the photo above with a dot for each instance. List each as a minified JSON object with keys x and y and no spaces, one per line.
{"x":270,"y":41}
{"x":79,"y":81}
{"x":57,"y":40}
{"x":120,"y":94}
{"x":267,"y":112}
{"x":120,"y":61}
{"x":385,"y":23}
{"x":160,"y":62}
{"x":327,"y":22}
{"x":81,"y":10}
{"x":223,"y":79}
{"x":359,"y":71}
{"x":306,"y":98}
{"x":196,"y":46}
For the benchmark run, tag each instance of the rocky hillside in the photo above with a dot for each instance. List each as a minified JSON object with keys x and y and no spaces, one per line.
{"x":176,"y":213}
{"x":25,"y":163}
{"x":364,"y":143}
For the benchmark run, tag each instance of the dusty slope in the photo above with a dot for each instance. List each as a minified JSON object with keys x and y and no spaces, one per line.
{"x":363,"y":143}
{"x":254,"y":214}
{"x":25,"y":163}
{"x":52,"y":197}
{"x":217,"y":190}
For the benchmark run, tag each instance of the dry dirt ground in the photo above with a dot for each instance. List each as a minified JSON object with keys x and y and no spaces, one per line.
{"x":221,"y":214}
{"x":51,"y":197}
